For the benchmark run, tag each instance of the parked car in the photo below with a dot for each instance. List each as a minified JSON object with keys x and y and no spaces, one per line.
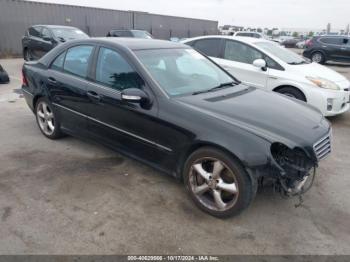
{"x":248,"y":34}
{"x":40,"y":39}
{"x":129,"y":33}
{"x":267,"y":65}
{"x":301,"y":44}
{"x":4,"y":78}
{"x":290,"y":43}
{"x":167,"y":105}
{"x":321,"y":49}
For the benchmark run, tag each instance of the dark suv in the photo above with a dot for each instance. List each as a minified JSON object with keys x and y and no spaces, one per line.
{"x":323,"y":48}
{"x":129,"y":33}
{"x":40,"y":39}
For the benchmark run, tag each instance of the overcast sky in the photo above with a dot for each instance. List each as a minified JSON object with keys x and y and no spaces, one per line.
{"x":267,"y":13}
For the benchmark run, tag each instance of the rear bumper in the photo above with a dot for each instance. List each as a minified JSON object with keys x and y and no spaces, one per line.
{"x":29,"y":97}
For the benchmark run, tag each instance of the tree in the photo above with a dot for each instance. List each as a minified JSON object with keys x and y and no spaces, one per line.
{"x":295,"y":34}
{"x":311,"y":34}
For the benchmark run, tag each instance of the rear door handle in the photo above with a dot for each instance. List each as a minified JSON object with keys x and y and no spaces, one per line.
{"x":93,"y":95}
{"x":52,"y":80}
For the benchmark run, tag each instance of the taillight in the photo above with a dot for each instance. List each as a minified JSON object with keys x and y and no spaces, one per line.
{"x":24,"y":79}
{"x":308,"y":43}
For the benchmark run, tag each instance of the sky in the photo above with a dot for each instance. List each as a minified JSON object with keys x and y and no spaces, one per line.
{"x":313,"y":14}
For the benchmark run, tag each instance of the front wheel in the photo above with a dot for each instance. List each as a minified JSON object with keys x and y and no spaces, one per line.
{"x":292,"y":92}
{"x":217,"y":183}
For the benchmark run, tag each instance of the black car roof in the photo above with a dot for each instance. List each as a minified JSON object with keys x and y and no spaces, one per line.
{"x":118,"y":42}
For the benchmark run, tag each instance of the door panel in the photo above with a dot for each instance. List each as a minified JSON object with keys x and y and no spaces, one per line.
{"x":45,"y":45}
{"x":126,"y":126}
{"x":68,"y":93}
{"x":238,"y":60}
{"x":35,"y":41}
{"x":66,"y":81}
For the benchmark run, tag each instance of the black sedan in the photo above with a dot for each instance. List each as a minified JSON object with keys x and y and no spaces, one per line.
{"x":167,"y":105}
{"x":40,"y":39}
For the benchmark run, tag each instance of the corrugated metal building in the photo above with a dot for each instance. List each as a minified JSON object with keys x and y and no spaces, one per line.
{"x":17,"y":15}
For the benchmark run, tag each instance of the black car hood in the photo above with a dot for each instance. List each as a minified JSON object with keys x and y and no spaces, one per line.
{"x":269,"y":115}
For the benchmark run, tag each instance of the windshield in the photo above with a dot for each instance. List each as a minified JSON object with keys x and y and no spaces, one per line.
{"x":69,"y":33}
{"x":142,"y":34}
{"x":182,"y":71}
{"x":282,"y":53}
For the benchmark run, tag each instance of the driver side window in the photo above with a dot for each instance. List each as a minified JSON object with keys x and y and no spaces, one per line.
{"x":242,"y":53}
{"x":114,"y":71}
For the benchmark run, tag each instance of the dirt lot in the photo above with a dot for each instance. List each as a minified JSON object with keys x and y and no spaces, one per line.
{"x":74,"y":197}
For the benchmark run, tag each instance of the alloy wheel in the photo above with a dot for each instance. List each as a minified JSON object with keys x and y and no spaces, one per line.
{"x":317,"y":58}
{"x":213,"y":184}
{"x":45,"y":118}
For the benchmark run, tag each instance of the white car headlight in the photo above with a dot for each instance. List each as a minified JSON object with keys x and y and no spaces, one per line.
{"x":323,"y":83}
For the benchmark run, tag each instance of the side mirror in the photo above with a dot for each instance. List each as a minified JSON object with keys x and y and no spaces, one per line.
{"x":260,"y":63}
{"x":135,"y":95}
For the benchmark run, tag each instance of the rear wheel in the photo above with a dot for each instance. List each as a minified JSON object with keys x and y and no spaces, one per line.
{"x":318,"y":57}
{"x":47,"y":120}
{"x":292,"y":92}
{"x":217,"y":183}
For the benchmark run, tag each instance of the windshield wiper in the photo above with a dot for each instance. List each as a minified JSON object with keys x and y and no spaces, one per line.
{"x":222,"y":85}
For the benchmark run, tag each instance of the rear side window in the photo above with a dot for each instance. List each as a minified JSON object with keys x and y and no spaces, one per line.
{"x":77,"y":60}
{"x":242,"y":53}
{"x":114,"y":71}
{"x":121,"y":34}
{"x":331,"y":40}
{"x":210,"y":47}
{"x":58,"y":62}
{"x":34,"y":31}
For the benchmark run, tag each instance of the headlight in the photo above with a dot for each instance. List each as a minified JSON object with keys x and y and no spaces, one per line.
{"x":291,"y":160}
{"x":323,"y":83}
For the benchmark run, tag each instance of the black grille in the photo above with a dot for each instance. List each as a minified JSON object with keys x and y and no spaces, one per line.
{"x":323,"y":147}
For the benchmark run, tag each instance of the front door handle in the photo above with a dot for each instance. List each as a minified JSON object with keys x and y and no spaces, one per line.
{"x":52,"y":80}
{"x":93,"y":95}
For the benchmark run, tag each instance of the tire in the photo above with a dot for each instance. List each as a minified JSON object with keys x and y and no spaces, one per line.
{"x":227,"y":191}
{"x":47,"y":119}
{"x":318,"y":57}
{"x":292,"y":92}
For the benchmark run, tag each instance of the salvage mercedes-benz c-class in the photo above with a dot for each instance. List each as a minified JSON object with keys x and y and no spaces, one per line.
{"x":167,"y":105}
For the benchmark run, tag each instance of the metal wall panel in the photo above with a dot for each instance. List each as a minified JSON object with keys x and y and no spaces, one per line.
{"x":17,"y":15}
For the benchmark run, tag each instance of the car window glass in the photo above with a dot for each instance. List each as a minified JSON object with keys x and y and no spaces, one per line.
{"x":114,"y":71}
{"x":210,"y":47}
{"x":182,"y":71}
{"x":242,"y":53}
{"x":271,"y":63}
{"x":45,"y":33}
{"x":121,"y":33}
{"x":58,"y":63}
{"x":332,"y":40}
{"x":34,"y":31}
{"x":188,"y":66}
{"x":77,"y":60}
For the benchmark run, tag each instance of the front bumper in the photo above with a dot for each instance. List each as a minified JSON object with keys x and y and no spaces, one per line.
{"x":329,"y":102}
